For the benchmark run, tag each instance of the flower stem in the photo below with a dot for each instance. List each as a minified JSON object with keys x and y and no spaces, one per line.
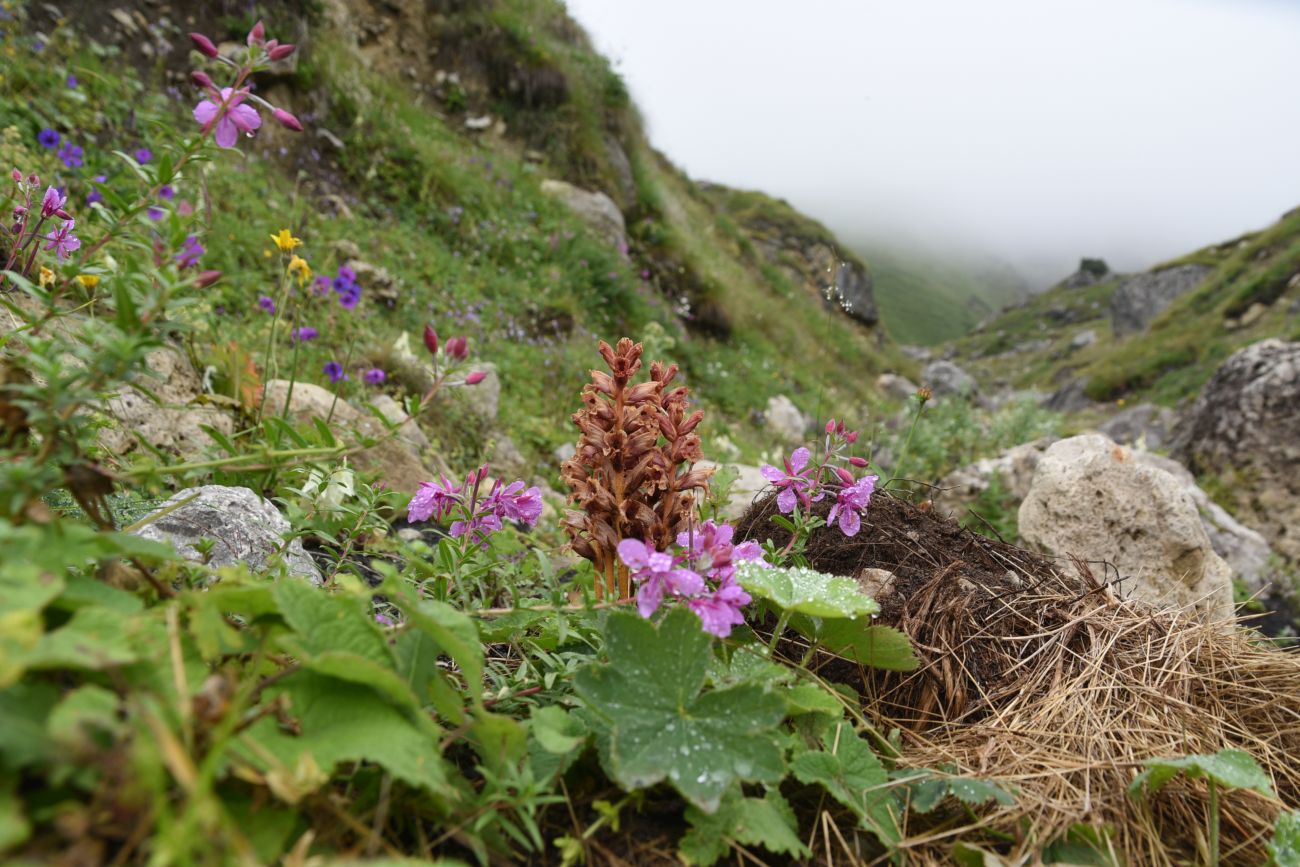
{"x":907,"y":445}
{"x":1214,"y":823}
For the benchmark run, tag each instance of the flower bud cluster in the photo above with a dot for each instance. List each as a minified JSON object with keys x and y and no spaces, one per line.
{"x":21,"y":243}
{"x":225,"y":112}
{"x":802,"y":483}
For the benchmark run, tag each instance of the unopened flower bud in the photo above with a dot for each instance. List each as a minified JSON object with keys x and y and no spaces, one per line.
{"x":16,"y":229}
{"x":476,"y":377}
{"x":204,"y":44}
{"x":830,"y":426}
{"x":458,"y":348}
{"x":202,"y":79}
{"x":19,"y":211}
{"x":287,"y":120}
{"x":430,"y":340}
{"x":257,"y":36}
{"x":62,"y":214}
{"x":34,"y":179}
{"x":924,"y":393}
{"x":280,"y":52}
{"x":845,"y":476}
{"x":851,"y":437}
{"x":17,"y":176}
{"x":857,"y":461}
{"x":207,"y":278}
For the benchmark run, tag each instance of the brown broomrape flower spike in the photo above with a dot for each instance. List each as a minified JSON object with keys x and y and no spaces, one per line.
{"x":631,"y":476}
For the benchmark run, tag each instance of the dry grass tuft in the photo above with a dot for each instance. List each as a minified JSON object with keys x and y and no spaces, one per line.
{"x":1052,"y":685}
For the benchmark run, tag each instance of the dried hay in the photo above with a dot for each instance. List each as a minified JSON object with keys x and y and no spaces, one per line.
{"x":1052,"y":685}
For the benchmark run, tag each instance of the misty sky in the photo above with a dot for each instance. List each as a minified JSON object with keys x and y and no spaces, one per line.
{"x":1039,"y":130}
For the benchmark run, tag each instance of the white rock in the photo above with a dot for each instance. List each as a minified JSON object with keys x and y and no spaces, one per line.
{"x":785,"y":419}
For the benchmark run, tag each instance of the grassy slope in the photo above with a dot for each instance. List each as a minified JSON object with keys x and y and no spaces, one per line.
{"x":1182,"y":347}
{"x":511,"y":268}
{"x":927,"y":299}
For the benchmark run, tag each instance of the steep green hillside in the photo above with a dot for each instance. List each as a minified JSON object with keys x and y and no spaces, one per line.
{"x":1252,"y":292}
{"x":926,"y":298}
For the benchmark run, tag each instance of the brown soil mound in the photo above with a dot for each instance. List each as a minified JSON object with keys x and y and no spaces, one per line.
{"x":1048,"y":683}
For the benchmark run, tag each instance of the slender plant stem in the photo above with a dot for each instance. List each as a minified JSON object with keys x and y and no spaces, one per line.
{"x":907,"y":445}
{"x":781,"y":623}
{"x":1214,"y":823}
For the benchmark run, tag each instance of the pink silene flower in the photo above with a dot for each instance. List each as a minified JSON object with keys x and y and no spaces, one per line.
{"x":231,"y":118}
{"x":62,"y":241}
{"x":719,"y":611}
{"x":850,"y":503}
{"x":794,"y":483}
{"x":433,"y":499}
{"x":656,"y":573}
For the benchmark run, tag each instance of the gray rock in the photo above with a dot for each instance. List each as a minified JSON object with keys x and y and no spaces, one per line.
{"x":945,"y":378}
{"x":172,"y":423}
{"x":1091,"y":271}
{"x":376,"y":283}
{"x":1141,"y":298}
{"x":563,"y":452}
{"x":244,"y":526}
{"x":595,"y":209}
{"x":748,"y":485}
{"x":895,"y":386}
{"x":1070,"y":397}
{"x":1245,"y":430}
{"x":856,"y":293}
{"x":1090,"y":498}
{"x":407,"y":427}
{"x":1014,"y":470}
{"x":1083,"y":339}
{"x":1146,"y":425}
{"x":917,"y":353}
{"x":786,"y":420}
{"x":506,"y":458}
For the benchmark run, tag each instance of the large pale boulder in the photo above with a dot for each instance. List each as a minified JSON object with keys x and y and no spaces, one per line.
{"x":596,"y":209}
{"x":1141,"y":298}
{"x":1145,"y":424}
{"x":786,"y":420}
{"x":162,"y":411}
{"x":242,"y":525}
{"x":1245,"y":429}
{"x":1093,"y":499}
{"x":1014,"y":470}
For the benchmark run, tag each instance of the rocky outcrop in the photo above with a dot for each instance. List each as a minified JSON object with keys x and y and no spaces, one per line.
{"x":163,"y":411}
{"x":786,"y":420}
{"x":396,"y":458}
{"x":946,"y":378}
{"x":241,"y":525}
{"x":596,"y":209}
{"x":1090,"y":498}
{"x":1091,"y":272}
{"x":1146,"y":424}
{"x":1245,"y":429}
{"x":895,"y":386}
{"x":1141,"y":298}
{"x":1014,"y":470}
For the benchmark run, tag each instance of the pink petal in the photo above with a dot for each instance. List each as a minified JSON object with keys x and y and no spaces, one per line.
{"x":227,"y":135}
{"x":245,"y":117}
{"x":799,"y":458}
{"x":205,"y":111}
{"x":633,"y":553}
{"x":771,"y":473}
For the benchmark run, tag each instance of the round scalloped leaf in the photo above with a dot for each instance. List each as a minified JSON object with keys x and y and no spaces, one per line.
{"x":805,"y":591}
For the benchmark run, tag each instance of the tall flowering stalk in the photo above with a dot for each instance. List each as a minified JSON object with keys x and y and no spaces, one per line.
{"x":631,"y":475}
{"x":22,"y":239}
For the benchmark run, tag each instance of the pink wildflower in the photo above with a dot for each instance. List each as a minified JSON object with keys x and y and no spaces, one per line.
{"x":656,"y":573}
{"x":433,"y":500}
{"x":229,"y":116}
{"x":719,"y":611}
{"x":794,"y":483}
{"x":850,"y":503}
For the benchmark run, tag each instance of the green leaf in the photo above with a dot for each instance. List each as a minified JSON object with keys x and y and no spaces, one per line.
{"x":768,"y":822}
{"x":966,"y":855}
{"x":24,"y":711}
{"x":325,"y":621}
{"x":83,"y":711}
{"x":804,"y":591}
{"x":856,"y":638}
{"x":93,"y":639}
{"x":1084,"y":846}
{"x":454,"y":633}
{"x":20,"y":632}
{"x":929,"y":788}
{"x":851,"y":774}
{"x":558,"y":731}
{"x":346,"y":722}
{"x":14,"y":827}
{"x":1285,"y":845}
{"x":1233,"y":769}
{"x":353,"y":667}
{"x":664,"y":727}
{"x":809,"y":698}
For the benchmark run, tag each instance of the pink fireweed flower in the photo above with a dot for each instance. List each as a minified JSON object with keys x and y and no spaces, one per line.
{"x":656,"y":573}
{"x":507,"y":502}
{"x":710,"y":551}
{"x":794,"y":483}
{"x":229,"y":116}
{"x":433,"y":500}
{"x":62,"y":241}
{"x":851,"y":503}
{"x":719,"y":611}
{"x":52,"y":202}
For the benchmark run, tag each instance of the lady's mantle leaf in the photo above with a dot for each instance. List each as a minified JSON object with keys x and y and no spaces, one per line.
{"x":803,"y":591}
{"x":858,"y":639}
{"x":662,"y":727}
{"x":1232,"y":769}
{"x":850,"y":772}
{"x":768,"y":822}
{"x":1285,"y":846}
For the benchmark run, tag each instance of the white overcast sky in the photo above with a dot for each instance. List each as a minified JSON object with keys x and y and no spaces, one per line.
{"x":1039,"y":130}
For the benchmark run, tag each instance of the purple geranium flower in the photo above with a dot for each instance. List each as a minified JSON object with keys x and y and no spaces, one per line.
{"x":374,"y":376}
{"x":48,"y":138}
{"x":71,"y":155}
{"x":155,"y":213}
{"x":143,"y":155}
{"x":166,"y":193}
{"x":334,"y":371}
{"x":321,"y":286}
{"x":794,"y":483}
{"x":72,"y":80}
{"x":229,"y":117}
{"x":851,"y":502}
{"x":433,"y":500}
{"x":304,"y":334}
{"x":656,"y":573}
{"x":62,"y":241}
{"x":190,"y":252}
{"x":266,"y":303}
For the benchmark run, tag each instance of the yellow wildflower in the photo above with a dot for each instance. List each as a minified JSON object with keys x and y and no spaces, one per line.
{"x":47,"y":277}
{"x":90,"y":281}
{"x":299,"y":268}
{"x":286,"y":241}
